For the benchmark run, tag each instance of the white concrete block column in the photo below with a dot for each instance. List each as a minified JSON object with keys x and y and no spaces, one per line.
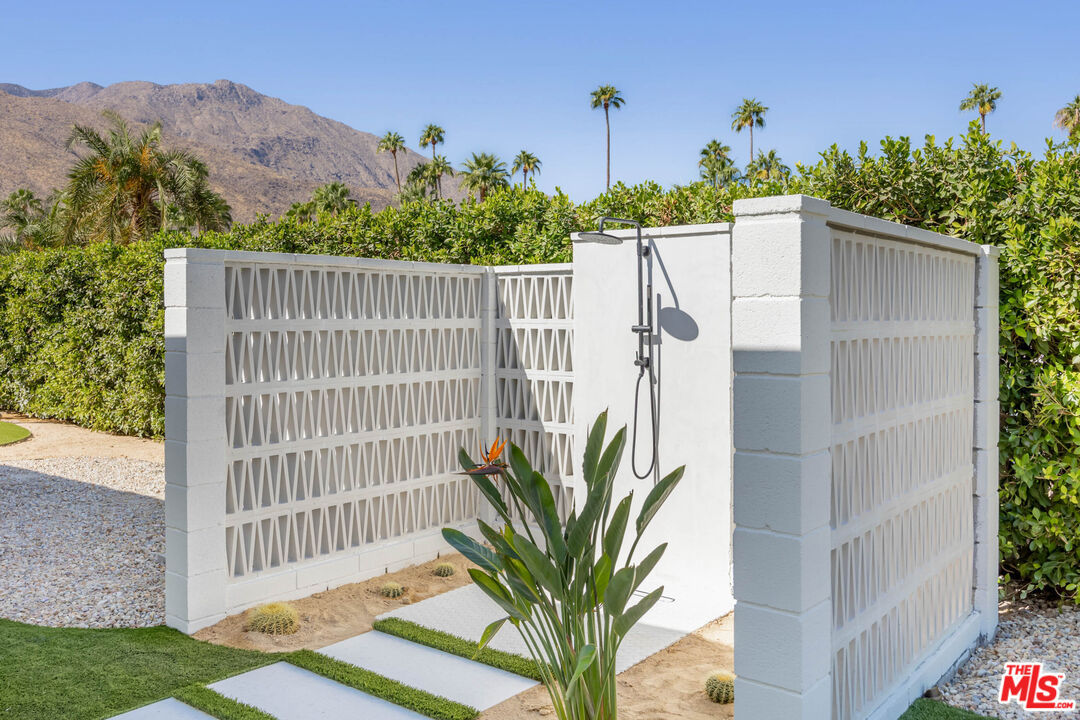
{"x":987,"y":421}
{"x":782,"y":467}
{"x":195,"y":573}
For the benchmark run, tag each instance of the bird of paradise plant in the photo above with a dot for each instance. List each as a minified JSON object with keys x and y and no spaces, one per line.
{"x":565,"y":586}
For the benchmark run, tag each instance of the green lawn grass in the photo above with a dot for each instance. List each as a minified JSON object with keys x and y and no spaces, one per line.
{"x":434,"y":706}
{"x":923,"y":709}
{"x":408,"y":630}
{"x":217,"y":705}
{"x":10,"y":432}
{"x":51,"y":673}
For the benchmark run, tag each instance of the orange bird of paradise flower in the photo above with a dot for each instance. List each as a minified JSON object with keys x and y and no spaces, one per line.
{"x":492,"y":465}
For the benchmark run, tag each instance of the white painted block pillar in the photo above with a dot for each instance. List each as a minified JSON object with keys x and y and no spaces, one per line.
{"x":782,"y":467}
{"x":195,"y":570}
{"x":987,"y":422}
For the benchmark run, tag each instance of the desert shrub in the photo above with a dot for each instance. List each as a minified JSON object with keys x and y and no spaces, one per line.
{"x":720,"y":687}
{"x":274,"y":619}
{"x":391,"y":590}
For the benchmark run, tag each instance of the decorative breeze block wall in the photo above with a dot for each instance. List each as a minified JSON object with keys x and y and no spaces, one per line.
{"x":332,"y":402}
{"x":534,"y":369}
{"x":865,"y":356}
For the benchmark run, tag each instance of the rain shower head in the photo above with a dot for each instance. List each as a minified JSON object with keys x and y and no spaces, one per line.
{"x":598,"y":237}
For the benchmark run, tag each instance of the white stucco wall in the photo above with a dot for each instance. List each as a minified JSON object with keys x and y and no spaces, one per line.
{"x":691,"y":289}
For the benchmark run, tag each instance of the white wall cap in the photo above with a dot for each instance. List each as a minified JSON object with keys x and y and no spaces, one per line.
{"x":781,"y":205}
{"x":846,"y":220}
{"x":670,"y":231}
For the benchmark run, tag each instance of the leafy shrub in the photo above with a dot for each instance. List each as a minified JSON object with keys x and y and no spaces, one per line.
{"x":720,"y":687}
{"x":274,"y":619}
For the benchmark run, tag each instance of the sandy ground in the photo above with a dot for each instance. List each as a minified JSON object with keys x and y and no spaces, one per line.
{"x":670,"y":684}
{"x":334,"y":615}
{"x":51,"y":439}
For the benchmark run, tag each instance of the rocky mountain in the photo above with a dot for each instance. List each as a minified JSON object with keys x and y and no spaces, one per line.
{"x":263,"y":153}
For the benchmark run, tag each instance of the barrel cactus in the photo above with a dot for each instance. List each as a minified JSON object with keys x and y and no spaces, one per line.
{"x":392,"y":590}
{"x":720,"y":687}
{"x":274,"y":619}
{"x":444,"y":570}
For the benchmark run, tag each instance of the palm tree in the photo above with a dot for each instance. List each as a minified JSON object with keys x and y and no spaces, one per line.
{"x":417,"y":184}
{"x":202,"y":209}
{"x":1068,"y":117}
{"x":983,"y":99}
{"x":125,"y":187}
{"x":767,"y":166}
{"x":527,"y":163}
{"x":392,"y":143}
{"x":23,"y":213}
{"x":332,"y":198}
{"x":606,"y":96}
{"x":747,"y":115}
{"x":438,"y":167}
{"x":483,"y":172}
{"x":716,"y":164}
{"x":432,"y":135}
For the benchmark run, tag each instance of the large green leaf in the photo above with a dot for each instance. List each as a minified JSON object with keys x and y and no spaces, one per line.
{"x":471,"y":549}
{"x":540,"y":566}
{"x":549,"y":517}
{"x":583,"y":527}
{"x":646,"y":565}
{"x":465,"y":461}
{"x":601,"y":577}
{"x":488,"y":634}
{"x":616,"y":529}
{"x":493,"y":536}
{"x":609,"y":461}
{"x":492,"y":494}
{"x":523,"y":473}
{"x":586,"y":654}
{"x":594,"y":443}
{"x":494,"y":590}
{"x":618,"y":591}
{"x":657,"y":496}
{"x":628,"y":619}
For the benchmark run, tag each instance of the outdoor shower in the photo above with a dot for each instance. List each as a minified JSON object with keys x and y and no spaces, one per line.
{"x":645,"y":360}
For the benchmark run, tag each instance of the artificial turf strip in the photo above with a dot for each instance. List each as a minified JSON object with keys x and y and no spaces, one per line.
{"x":10,"y":433}
{"x":217,"y":705}
{"x":923,"y":709}
{"x":408,"y":630}
{"x":382,"y":687}
{"x":77,"y":674}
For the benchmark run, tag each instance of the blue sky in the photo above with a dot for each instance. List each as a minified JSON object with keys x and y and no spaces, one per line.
{"x":502,"y":76}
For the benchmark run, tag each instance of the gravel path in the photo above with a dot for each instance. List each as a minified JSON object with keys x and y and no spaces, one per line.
{"x":82,"y":542}
{"x":1033,"y":632}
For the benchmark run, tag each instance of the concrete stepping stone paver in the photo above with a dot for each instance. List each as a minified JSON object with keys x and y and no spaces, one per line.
{"x":466,"y":611}
{"x":170,"y":709}
{"x":290,"y":693}
{"x":433,"y":671}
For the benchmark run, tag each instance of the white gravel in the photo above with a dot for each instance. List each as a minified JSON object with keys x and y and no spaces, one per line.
{"x":82,"y":542}
{"x":1029,"y":631}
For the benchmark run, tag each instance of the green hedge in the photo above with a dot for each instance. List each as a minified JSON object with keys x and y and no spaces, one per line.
{"x":81,"y":328}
